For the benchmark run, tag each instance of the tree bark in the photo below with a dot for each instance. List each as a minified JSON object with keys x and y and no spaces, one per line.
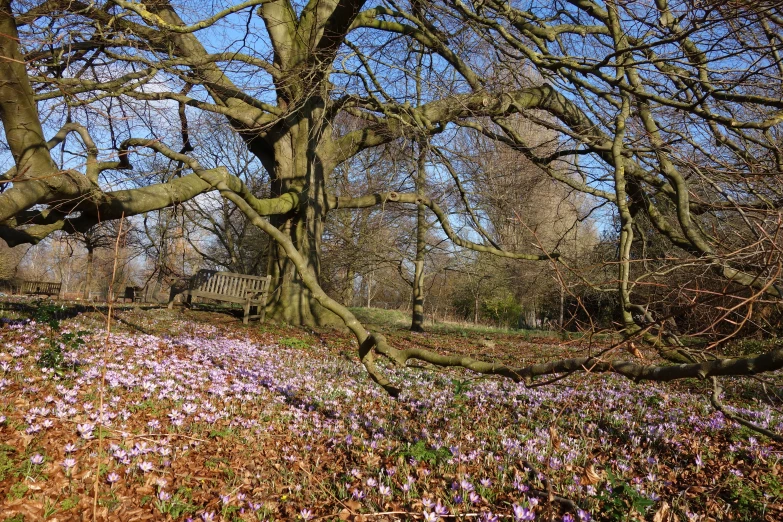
{"x":348,"y":291}
{"x":417,"y":319}
{"x":299,"y":163}
{"x":88,"y":276}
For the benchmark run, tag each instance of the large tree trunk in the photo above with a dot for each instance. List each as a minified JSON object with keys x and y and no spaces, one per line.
{"x":299,"y":165}
{"x":291,"y":301}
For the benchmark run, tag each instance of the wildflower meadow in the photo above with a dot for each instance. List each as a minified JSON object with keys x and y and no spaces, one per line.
{"x":176,"y":416}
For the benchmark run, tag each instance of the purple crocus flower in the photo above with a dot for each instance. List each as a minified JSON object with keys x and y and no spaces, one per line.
{"x":523,"y":513}
{"x":584,"y":516}
{"x":85,"y":430}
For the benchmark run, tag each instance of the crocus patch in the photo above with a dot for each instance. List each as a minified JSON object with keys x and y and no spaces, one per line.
{"x":182,"y":419}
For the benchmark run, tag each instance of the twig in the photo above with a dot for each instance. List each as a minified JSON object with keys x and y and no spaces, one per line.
{"x":414,"y":514}
{"x":177,"y":435}
{"x":718,"y":405}
{"x":103,"y":375}
{"x":549,"y":493}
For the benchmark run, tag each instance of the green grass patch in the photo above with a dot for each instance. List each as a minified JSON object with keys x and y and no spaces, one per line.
{"x":381,"y":317}
{"x":421,"y":452}
{"x":17,"y":491}
{"x":293,"y":342}
{"x":7,"y":464}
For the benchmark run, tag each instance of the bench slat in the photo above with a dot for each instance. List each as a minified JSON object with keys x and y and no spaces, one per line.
{"x":222,"y":297}
{"x":40,"y":287}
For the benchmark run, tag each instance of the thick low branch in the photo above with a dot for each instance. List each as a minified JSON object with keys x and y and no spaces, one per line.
{"x":767,"y":362}
{"x":94,"y":206}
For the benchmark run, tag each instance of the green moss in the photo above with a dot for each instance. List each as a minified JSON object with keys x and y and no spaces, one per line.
{"x":7,"y":463}
{"x":17,"y":491}
{"x":69,"y":503}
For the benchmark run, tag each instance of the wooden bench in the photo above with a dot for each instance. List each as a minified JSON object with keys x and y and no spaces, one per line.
{"x":133,"y":294}
{"x":40,"y":288}
{"x":247,"y":290}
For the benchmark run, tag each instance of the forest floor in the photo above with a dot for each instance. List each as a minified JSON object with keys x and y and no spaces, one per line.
{"x":190,"y":414}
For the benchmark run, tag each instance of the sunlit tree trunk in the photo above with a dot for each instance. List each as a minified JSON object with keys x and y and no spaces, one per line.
{"x":88,"y":276}
{"x":417,"y":321}
{"x":299,"y":164}
{"x":348,"y":292}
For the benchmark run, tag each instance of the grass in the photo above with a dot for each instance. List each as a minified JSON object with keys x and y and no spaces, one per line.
{"x":206,"y":417}
{"x":381,"y":317}
{"x":398,"y":320}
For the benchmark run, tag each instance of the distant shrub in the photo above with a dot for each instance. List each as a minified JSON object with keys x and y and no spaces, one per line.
{"x":503,"y":311}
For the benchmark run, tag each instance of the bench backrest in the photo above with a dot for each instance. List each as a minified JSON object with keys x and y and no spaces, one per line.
{"x":227,"y":283}
{"x":40,"y":287}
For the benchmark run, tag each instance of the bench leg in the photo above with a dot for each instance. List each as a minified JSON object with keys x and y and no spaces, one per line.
{"x":246,"y":317}
{"x":174,"y":293}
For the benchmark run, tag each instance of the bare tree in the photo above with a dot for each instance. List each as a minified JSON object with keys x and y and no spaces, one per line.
{"x":10,"y":259}
{"x":101,"y":236}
